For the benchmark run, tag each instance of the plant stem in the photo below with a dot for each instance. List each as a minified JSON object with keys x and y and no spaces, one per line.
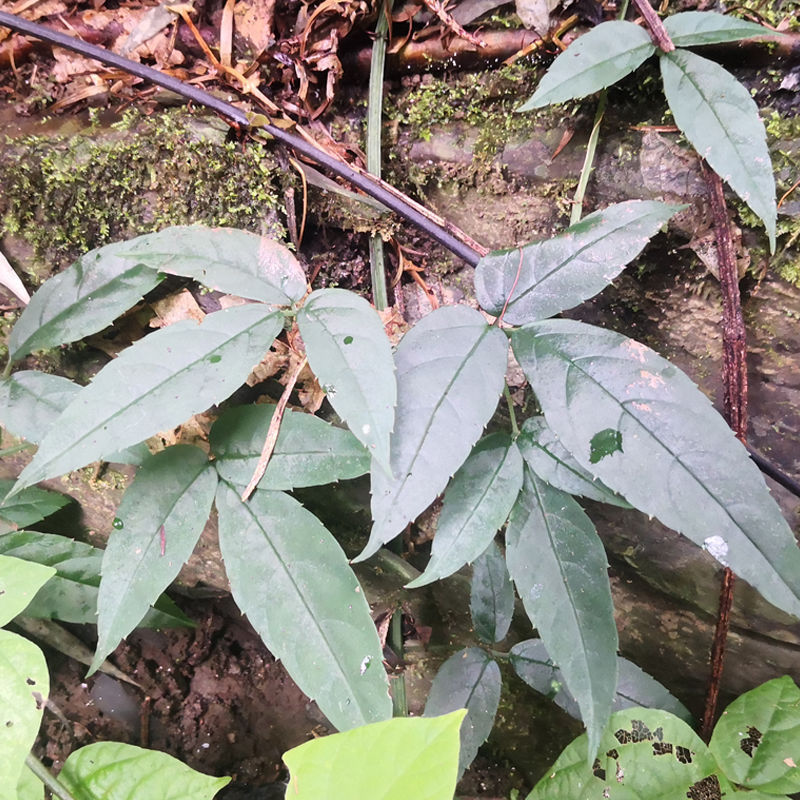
{"x":399,"y":697}
{"x":47,"y":778}
{"x":588,"y":162}
{"x":658,"y":33}
{"x":511,"y":413}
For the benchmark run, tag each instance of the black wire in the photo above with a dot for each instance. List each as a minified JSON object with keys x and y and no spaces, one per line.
{"x":769,"y":469}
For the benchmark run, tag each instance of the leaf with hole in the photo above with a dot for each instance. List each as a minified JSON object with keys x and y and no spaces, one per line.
{"x":29,"y":506}
{"x":693,"y":28}
{"x":491,"y":599}
{"x":678,"y":460}
{"x":450,"y":370}
{"x":351,"y":356}
{"x":154,"y":385}
{"x":291,"y":578}
{"x":547,"y":277}
{"x":476,"y":504}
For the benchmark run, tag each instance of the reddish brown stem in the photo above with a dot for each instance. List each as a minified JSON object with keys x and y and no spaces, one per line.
{"x":656,"y":27}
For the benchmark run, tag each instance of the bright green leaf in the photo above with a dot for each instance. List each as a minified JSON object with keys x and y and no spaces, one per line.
{"x":29,"y":786}
{"x":24,"y":686}
{"x":547,"y":277}
{"x":756,"y":738}
{"x":308,"y":451}
{"x":468,"y":679}
{"x":154,"y":385}
{"x":491,"y":600}
{"x":291,"y":578}
{"x":399,"y":759}
{"x":679,"y":460}
{"x":351,"y":356}
{"x":117,"y":771}
{"x":593,"y":61}
{"x":450,"y":370}
{"x":720,"y":118}
{"x":158,"y":523}
{"x":558,"y":564}
{"x":692,"y":28}
{"x":29,"y":506}
{"x":19,"y":582}
{"x":476,"y":504}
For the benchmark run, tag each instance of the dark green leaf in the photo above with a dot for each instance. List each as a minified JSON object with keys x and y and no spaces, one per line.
{"x":558,"y":564}
{"x":158,"y":523}
{"x":81,"y":300}
{"x":30,"y":401}
{"x":721,"y":120}
{"x":593,"y":61}
{"x":679,"y":460}
{"x":291,"y":578}
{"x":552,"y":462}
{"x":154,"y":385}
{"x":755,"y":740}
{"x":547,"y":277}
{"x":29,"y":506}
{"x":450,"y":369}
{"x":308,"y":451}
{"x":491,"y":601}
{"x":19,"y":582}
{"x":117,"y":771}
{"x":691,"y":28}
{"x":476,"y":504}
{"x":468,"y":679}
{"x":351,"y":356}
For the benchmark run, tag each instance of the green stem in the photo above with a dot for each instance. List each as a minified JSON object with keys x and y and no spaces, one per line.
{"x":9,"y":451}
{"x":588,"y":162}
{"x":511,"y":413}
{"x":399,"y":698}
{"x":56,"y":788}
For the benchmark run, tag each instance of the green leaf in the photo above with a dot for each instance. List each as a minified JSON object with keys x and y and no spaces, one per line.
{"x":291,"y":578}
{"x":394,"y":760}
{"x":634,"y":686}
{"x":547,"y":277}
{"x":593,"y":61}
{"x":450,"y":370}
{"x":691,"y":28}
{"x":81,"y":300}
{"x":476,"y":504}
{"x":679,"y":460}
{"x":720,"y":118}
{"x":29,"y":506}
{"x":24,"y":686}
{"x":29,"y":786}
{"x":232,"y":261}
{"x":552,"y":462}
{"x":558,"y":564}
{"x":468,"y":679}
{"x":351,"y":356}
{"x":644,"y":753}
{"x":491,"y":601}
{"x":158,"y":523}
{"x":756,"y":738}
{"x":19,"y":582}
{"x":117,"y":771}
{"x":154,"y":385}
{"x":308,"y":451}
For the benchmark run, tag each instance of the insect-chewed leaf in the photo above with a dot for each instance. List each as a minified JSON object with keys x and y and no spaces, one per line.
{"x":351,"y":356}
{"x":308,"y":451}
{"x":545,"y":278}
{"x":593,"y":61}
{"x":491,"y":599}
{"x":81,"y":300}
{"x":154,"y":385}
{"x":692,"y":28}
{"x":158,"y":523}
{"x":118,"y":771}
{"x":557,"y":561}
{"x":230,"y":260}
{"x":291,"y":578}
{"x":476,"y":504}
{"x":19,"y":582}
{"x":552,"y":462}
{"x":677,"y":460}
{"x":468,"y":679}
{"x":720,"y":118}
{"x":29,"y":506}
{"x":450,"y":369}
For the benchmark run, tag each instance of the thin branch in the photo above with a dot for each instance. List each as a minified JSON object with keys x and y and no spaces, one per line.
{"x":658,"y":33}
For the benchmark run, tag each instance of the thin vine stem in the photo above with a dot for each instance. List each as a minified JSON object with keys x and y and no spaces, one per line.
{"x":511,"y":412}
{"x":588,"y":161}
{"x":55,"y":787}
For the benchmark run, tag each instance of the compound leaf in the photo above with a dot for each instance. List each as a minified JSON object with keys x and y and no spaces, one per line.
{"x":476,"y":504}
{"x":678,"y":460}
{"x":547,"y":277}
{"x":29,"y":506}
{"x":291,"y":578}
{"x":450,"y":369}
{"x":158,"y":523}
{"x":491,"y":600}
{"x":118,"y":771}
{"x":351,"y":356}
{"x":558,"y":564}
{"x":154,"y":385}
{"x":720,"y":118}
{"x":692,"y":28}
{"x":308,"y":451}
{"x":593,"y":61}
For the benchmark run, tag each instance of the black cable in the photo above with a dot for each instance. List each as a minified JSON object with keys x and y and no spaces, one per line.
{"x":769,"y":469}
